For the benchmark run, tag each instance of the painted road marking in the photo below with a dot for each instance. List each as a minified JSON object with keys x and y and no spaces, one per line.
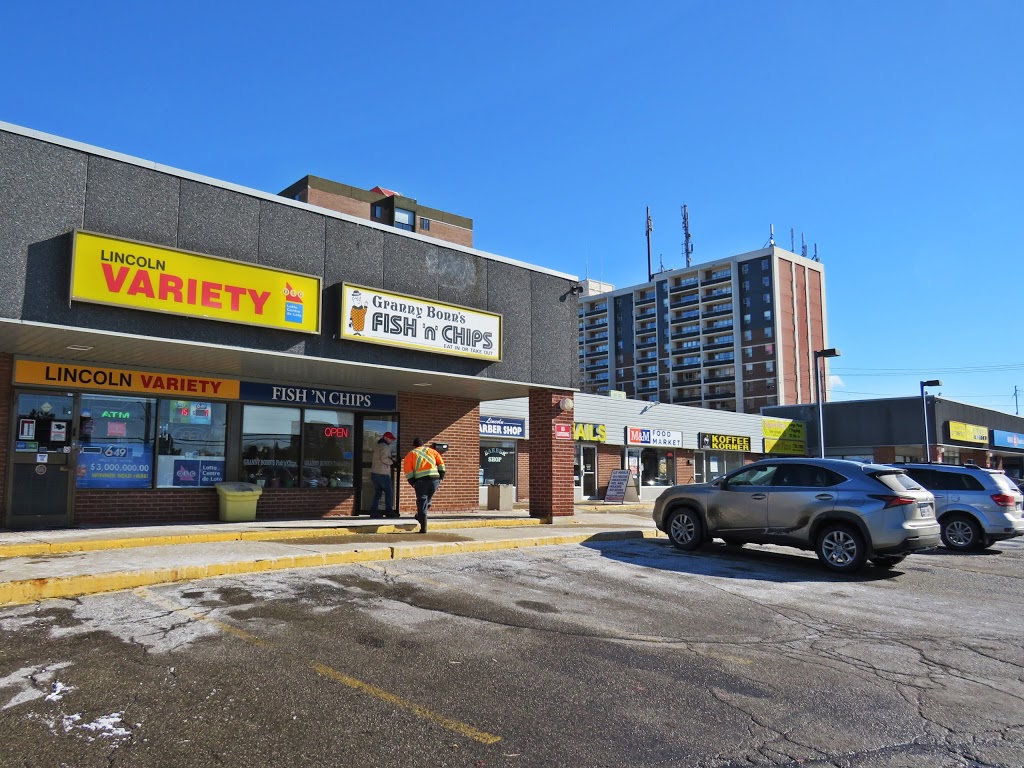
{"x":379,"y":693}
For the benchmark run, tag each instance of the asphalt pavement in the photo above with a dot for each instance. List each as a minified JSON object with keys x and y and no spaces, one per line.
{"x":63,"y":563}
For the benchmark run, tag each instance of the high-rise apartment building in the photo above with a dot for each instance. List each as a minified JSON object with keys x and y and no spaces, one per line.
{"x":383,"y":206}
{"x":734,"y":334}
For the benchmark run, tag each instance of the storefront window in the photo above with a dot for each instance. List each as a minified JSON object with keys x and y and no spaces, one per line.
{"x":190,"y":448}
{"x":116,"y":442}
{"x":497,"y":462}
{"x":658,"y":466}
{"x":328,"y":443}
{"x":270,"y":445}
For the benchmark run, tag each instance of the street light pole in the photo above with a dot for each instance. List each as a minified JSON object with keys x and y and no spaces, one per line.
{"x":924,"y":409}
{"x":818,"y":354}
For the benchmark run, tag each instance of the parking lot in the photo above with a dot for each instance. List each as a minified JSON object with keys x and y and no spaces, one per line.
{"x":609,"y":654}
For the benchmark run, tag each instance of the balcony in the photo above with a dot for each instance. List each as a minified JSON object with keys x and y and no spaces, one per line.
{"x":721,"y":360}
{"x":688,"y":284}
{"x":686,"y":301}
{"x":646,"y":298}
{"x":717,"y":277}
{"x":596,"y":366}
{"x":715,"y":379}
{"x":718,"y":326}
{"x":683,"y":400}
{"x":646,"y":388}
{"x":595,"y":324}
{"x":718,"y":345}
{"x":647,"y":344}
{"x":718,"y":293}
{"x":717,"y":311}
{"x":643,"y":314}
{"x":686,"y":334}
{"x":685,"y":366}
{"x":725,"y":395}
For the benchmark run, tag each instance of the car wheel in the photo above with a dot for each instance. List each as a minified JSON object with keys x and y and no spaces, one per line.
{"x":887,"y":561}
{"x":961,"y":533}
{"x":730,"y":542}
{"x":685,"y":529}
{"x":841,"y":549}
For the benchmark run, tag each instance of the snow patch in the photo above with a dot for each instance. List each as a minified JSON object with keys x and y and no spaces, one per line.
{"x":31,"y":682}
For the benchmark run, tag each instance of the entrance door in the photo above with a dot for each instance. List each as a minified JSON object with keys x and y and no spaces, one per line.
{"x":373,"y":429}
{"x":588,"y":467}
{"x":42,"y":476}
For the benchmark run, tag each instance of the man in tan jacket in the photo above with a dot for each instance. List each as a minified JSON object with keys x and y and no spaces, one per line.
{"x":380,"y":475}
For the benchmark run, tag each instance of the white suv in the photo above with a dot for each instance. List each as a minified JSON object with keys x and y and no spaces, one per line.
{"x":976,"y":507}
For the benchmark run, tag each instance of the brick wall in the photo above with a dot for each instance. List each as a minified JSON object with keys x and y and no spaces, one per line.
{"x":450,"y":233}
{"x":684,"y":466}
{"x":884,"y":454}
{"x":552,"y":492}
{"x":167,"y":505}
{"x":609,"y":458}
{"x":451,"y":420}
{"x":522,"y":470}
{"x":6,"y":395}
{"x":338,"y":203}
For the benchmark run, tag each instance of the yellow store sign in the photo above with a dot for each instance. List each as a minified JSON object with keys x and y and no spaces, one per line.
{"x":123,"y":273}
{"x":784,"y":436}
{"x":968,"y":433}
{"x":98,"y":377}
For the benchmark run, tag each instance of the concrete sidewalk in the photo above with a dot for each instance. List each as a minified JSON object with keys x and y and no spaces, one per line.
{"x":38,"y":565}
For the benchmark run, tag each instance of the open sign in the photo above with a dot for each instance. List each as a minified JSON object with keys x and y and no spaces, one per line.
{"x":336,"y":431}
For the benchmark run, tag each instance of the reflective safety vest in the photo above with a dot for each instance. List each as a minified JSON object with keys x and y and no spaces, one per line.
{"x":422,"y":462}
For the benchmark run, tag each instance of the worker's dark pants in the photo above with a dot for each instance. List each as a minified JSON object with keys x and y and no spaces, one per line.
{"x":425,"y":489}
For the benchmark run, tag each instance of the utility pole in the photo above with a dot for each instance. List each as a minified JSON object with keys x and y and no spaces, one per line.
{"x":650,"y":227}
{"x":1016,"y":405}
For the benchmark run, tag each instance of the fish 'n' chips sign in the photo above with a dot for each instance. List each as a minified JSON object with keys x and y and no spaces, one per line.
{"x":124,"y":273}
{"x":379,"y":317}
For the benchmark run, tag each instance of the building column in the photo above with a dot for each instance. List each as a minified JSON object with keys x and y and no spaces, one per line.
{"x":551,"y":456}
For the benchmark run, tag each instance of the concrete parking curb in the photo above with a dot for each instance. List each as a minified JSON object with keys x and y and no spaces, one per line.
{"x":35,"y":590}
{"x":36,"y":549}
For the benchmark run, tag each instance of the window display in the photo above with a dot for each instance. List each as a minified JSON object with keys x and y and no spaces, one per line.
{"x":270,"y":446}
{"x":328,"y":443}
{"x":497,"y":462}
{"x":190,"y":448}
{"x":659,"y":466}
{"x":116,"y":442}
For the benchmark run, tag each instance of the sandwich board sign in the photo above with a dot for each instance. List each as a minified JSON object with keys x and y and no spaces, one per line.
{"x":620,"y":489}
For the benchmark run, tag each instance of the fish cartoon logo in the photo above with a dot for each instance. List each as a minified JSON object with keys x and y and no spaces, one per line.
{"x":293,"y":306}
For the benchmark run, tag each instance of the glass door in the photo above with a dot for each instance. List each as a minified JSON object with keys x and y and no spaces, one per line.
{"x":42,"y":462}
{"x":588,"y":467}
{"x":373,"y":430}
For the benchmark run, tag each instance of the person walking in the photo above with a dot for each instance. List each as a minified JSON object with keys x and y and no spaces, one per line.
{"x":380,"y":476}
{"x":424,"y":469}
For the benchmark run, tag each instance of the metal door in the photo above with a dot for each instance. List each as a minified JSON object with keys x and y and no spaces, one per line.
{"x":42,"y":461}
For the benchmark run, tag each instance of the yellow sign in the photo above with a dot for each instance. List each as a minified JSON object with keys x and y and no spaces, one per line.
{"x":123,"y":273}
{"x":783,"y":429}
{"x":709,"y":441}
{"x":968,"y":433}
{"x":590,"y":433}
{"x":105,"y":379}
{"x":785,"y":447}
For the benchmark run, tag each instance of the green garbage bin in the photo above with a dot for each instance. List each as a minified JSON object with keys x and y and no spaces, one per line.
{"x":238,"y":501}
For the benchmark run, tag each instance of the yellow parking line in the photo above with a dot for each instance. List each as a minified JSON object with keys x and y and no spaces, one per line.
{"x":379,"y":693}
{"x":445,"y":722}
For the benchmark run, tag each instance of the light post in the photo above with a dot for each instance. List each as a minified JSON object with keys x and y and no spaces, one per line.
{"x":924,"y":409}
{"x":832,"y":352}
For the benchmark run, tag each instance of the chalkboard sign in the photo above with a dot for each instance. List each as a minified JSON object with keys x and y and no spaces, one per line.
{"x":619,"y":487}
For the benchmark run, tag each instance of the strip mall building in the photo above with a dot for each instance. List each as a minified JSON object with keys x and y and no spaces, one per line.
{"x":161,"y":332}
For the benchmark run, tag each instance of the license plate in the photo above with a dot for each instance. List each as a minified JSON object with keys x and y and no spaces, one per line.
{"x":926,"y":510}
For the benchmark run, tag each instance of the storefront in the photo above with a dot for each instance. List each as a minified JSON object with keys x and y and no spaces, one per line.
{"x":499,"y":440}
{"x":162,"y":332}
{"x":590,"y":438}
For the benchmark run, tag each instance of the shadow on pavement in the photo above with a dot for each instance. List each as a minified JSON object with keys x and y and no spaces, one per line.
{"x":730,"y":562}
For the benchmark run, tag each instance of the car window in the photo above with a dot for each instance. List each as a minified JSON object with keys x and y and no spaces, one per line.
{"x":805,"y":476}
{"x":898,"y":481}
{"x":933,"y":481}
{"x":761,"y":475}
{"x":969,"y":483}
{"x":1005,"y":483}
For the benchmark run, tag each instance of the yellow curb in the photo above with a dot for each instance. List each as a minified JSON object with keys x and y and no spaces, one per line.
{"x":97,"y":545}
{"x":34,"y":590}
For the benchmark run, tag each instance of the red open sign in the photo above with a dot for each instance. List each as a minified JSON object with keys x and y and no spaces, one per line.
{"x":335,"y":431}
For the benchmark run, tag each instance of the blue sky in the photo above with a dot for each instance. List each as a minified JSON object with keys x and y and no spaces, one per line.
{"x":887,"y":133}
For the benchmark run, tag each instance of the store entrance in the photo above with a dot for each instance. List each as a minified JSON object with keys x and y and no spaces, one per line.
{"x":586,"y":469}
{"x":42,"y":463}
{"x":372,"y":431}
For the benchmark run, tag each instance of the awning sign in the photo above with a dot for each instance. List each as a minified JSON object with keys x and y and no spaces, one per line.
{"x":378,"y":317}
{"x":713,"y":442}
{"x":316,"y":397}
{"x":968,"y":433}
{"x":107,"y":379}
{"x":590,"y":433}
{"x":123,"y":273}
{"x":493,"y":426}
{"x":1013,"y":440}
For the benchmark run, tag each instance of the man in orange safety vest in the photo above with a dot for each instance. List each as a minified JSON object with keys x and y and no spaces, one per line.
{"x":424,"y":469}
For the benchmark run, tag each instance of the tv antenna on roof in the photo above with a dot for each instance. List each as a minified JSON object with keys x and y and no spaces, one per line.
{"x":687,"y":245}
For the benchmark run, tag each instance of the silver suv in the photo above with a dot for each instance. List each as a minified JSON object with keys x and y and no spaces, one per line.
{"x":976,"y":507}
{"x":846,"y":511}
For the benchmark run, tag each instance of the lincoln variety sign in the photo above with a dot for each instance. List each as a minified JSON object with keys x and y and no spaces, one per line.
{"x":968,"y":433}
{"x":103,"y":378}
{"x":123,"y":273}
{"x":378,"y":317}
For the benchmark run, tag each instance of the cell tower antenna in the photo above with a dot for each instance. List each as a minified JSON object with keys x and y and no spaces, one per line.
{"x":803,"y":246}
{"x":792,"y":240}
{"x":771,"y":236}
{"x":661,"y":262}
{"x":650,"y":227}
{"x":687,"y":245}
{"x":816,"y":252}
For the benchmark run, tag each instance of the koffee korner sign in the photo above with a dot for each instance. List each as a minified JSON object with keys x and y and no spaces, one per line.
{"x":124,"y":273}
{"x":379,"y":317}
